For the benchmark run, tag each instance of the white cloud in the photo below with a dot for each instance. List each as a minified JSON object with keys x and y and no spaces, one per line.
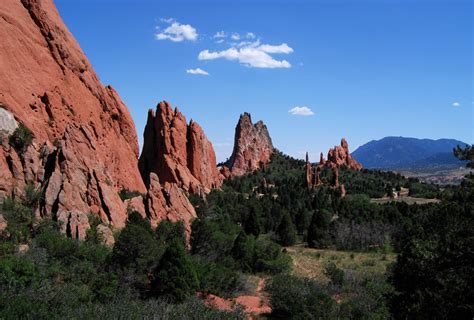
{"x":197,"y":71}
{"x":219,"y":41}
{"x":301,"y":111}
{"x":456,"y":104}
{"x":282,"y":48}
{"x":220,"y":34}
{"x":249,"y":44}
{"x":235,"y":36}
{"x":167,"y":20}
{"x":251,"y":54}
{"x":176,"y":32}
{"x":250,"y":35}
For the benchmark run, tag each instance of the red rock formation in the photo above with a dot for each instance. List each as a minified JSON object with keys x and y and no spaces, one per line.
{"x":47,"y":83}
{"x":168,"y":202}
{"x":309,"y":171}
{"x":177,"y":152}
{"x":85,"y":146}
{"x":253,"y":147}
{"x":322,"y":161}
{"x":341,"y":157}
{"x":338,"y":157}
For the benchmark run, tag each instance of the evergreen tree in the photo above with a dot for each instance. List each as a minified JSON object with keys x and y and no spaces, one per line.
{"x":174,"y":277}
{"x":136,"y":250}
{"x":242,"y":251}
{"x":465,"y":154}
{"x":252,"y":225}
{"x":135,"y":218}
{"x":318,"y":231}
{"x":275,"y":217}
{"x":167,"y":231}
{"x":286,"y":231}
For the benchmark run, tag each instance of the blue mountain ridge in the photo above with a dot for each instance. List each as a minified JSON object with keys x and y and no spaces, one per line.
{"x":402,"y":153}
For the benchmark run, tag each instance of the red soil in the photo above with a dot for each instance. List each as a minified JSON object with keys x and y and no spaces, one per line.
{"x":253,"y":304}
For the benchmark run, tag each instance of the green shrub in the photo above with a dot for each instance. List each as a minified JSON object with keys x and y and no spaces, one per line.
{"x":174,"y":277}
{"x":126,"y":194}
{"x":21,"y":138}
{"x":369,"y":300}
{"x":20,"y":220}
{"x":32,"y":195}
{"x":92,"y":234}
{"x":167,"y":231}
{"x":286,"y":231}
{"x":243,"y":252}
{"x":299,"y":298}
{"x":17,"y":272}
{"x":335,"y":275}
{"x":318,"y":231}
{"x":135,"y":249}
{"x":434,"y":273}
{"x":270,"y":258}
{"x":217,"y":279}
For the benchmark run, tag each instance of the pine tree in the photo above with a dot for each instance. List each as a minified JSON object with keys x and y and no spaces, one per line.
{"x":135,"y":248}
{"x":318,"y":231}
{"x":252,"y":225}
{"x":286,"y":231}
{"x":135,"y":252}
{"x":174,"y":277}
{"x":242,"y":251}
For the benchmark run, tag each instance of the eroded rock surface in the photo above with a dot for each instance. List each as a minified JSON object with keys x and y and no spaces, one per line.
{"x":341,"y":157}
{"x":338,"y":157}
{"x":85,"y":148}
{"x":178,"y":152}
{"x":253,"y":147}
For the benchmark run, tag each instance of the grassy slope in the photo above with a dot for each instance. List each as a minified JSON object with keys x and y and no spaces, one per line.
{"x":310,"y":263}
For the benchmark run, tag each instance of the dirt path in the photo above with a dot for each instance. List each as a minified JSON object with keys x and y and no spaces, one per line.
{"x":253,"y":305}
{"x":258,"y":303}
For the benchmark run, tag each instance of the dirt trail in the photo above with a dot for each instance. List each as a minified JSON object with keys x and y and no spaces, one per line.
{"x":253,"y":304}
{"x":258,"y":303}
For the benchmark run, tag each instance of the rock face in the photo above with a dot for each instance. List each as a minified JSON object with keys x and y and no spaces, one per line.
{"x":341,"y":157}
{"x":47,"y":83}
{"x":253,"y":147}
{"x":178,"y":152}
{"x":85,"y":147}
{"x":338,"y":157}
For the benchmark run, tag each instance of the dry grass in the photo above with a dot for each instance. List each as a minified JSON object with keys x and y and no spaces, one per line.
{"x":408,"y":200}
{"x":310,"y":263}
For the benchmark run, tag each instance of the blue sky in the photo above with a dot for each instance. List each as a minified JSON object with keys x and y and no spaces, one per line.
{"x":364,"y":69}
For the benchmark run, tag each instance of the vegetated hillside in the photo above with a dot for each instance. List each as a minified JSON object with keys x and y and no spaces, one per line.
{"x":239,"y":234}
{"x":401,"y":152}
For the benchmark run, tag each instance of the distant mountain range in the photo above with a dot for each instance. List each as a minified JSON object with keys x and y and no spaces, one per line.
{"x":408,"y":153}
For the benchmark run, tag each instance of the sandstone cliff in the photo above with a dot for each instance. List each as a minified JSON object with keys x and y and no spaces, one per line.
{"x":85,"y":146}
{"x":178,"y":152}
{"x":253,"y":148}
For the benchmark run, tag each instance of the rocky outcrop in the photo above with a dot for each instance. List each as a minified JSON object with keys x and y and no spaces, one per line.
{"x":178,"y":152}
{"x":47,"y":83}
{"x":341,"y":157}
{"x":85,"y":146}
{"x":338,"y":157}
{"x":253,"y":147}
